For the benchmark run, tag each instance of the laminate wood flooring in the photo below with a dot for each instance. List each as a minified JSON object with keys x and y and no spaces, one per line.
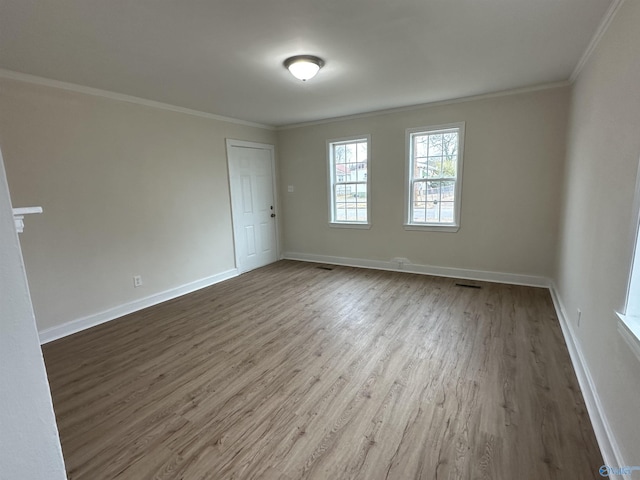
{"x":296,"y":372}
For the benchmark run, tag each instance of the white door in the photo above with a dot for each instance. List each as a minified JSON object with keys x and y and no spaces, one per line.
{"x":251,"y":178}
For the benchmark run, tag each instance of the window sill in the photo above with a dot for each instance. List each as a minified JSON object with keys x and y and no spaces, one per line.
{"x":432,"y":228}
{"x":629,"y":329}
{"x":360,"y":226}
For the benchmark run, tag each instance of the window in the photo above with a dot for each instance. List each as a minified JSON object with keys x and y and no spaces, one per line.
{"x":349,"y":182}
{"x":629,"y":325}
{"x":434,"y":176}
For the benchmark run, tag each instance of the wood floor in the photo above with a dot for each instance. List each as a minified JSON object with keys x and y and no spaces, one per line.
{"x":294,"y":371}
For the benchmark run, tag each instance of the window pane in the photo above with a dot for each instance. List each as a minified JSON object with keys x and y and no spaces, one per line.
{"x":339,"y":154}
{"x":418,"y":202}
{"x":434,"y":167}
{"x":448,"y":191}
{"x":362,"y":152}
{"x":420,"y":169}
{"x":433,"y":192}
{"x":361,"y":205}
{"x":419,"y":191}
{"x":446,"y":212}
{"x":433,"y":202}
{"x":450,"y":166}
{"x":351,"y":152}
{"x":450,"y":152}
{"x":427,"y":202}
{"x":433,"y":212}
{"x":341,"y":192}
{"x":351,"y":202}
{"x":435,"y":144}
{"x":341,"y":173}
{"x":341,"y":212}
{"x":420,"y":146}
{"x":351,"y":212}
{"x":450,"y":144}
{"x":419,"y":214}
{"x":351,"y":193}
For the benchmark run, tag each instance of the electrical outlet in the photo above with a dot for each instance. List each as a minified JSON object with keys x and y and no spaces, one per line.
{"x":579,"y":316}
{"x":137,"y":281}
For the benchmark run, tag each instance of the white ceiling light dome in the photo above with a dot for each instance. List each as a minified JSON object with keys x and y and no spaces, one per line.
{"x":304,"y":67}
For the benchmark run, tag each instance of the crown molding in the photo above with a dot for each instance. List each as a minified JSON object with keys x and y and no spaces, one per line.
{"x":47,"y":82}
{"x":472,"y":98}
{"x":595,"y":40}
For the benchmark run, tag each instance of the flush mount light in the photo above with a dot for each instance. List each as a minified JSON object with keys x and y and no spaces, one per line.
{"x":303,"y":67}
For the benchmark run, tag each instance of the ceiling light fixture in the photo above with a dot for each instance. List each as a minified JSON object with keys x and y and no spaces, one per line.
{"x":304,"y":67}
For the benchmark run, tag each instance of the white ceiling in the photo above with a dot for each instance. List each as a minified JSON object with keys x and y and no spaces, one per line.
{"x":225,"y":56}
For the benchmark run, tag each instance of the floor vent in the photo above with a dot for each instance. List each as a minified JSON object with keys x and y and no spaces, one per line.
{"x":467,"y":285}
{"x":324,"y":267}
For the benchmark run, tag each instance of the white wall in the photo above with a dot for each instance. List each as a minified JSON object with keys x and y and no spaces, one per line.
{"x":126,"y":190}
{"x":514,"y":155}
{"x":596,"y":243}
{"x":29,"y":444}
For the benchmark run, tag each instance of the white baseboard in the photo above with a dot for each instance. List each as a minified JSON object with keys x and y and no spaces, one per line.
{"x":74,"y":326}
{"x":481,"y":275}
{"x":606,"y":440}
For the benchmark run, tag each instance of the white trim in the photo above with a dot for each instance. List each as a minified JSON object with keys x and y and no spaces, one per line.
{"x":438,"y":103}
{"x":243,"y":143}
{"x":53,"y":333}
{"x":605,"y":437}
{"x":47,"y":82}
{"x":402,"y":266}
{"x":597,"y":36}
{"x":431,"y":227}
{"x":628,"y":328}
{"x":24,"y":77}
{"x":276,"y":202}
{"x":360,"y":226}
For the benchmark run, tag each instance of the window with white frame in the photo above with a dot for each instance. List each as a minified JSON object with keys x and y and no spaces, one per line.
{"x":434,"y":177}
{"x":349,"y":178}
{"x":630,"y":327}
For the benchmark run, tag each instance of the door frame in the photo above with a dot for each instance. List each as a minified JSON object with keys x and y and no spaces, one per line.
{"x":258,"y":146}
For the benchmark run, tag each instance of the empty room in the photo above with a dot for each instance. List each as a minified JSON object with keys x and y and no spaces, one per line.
{"x":319,"y":240}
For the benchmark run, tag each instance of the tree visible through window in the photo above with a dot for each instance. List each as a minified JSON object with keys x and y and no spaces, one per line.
{"x":349,"y":168}
{"x":435,"y":168}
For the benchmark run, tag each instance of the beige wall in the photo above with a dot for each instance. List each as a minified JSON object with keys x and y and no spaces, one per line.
{"x":596,"y":243}
{"x":514,"y":154}
{"x":126,"y":190}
